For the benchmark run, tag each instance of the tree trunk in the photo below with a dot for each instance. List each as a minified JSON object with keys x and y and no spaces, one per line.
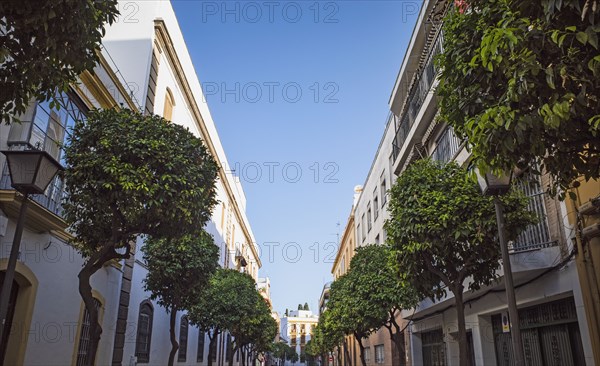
{"x":397,"y":340}
{"x":174,"y":344}
{"x":463,"y":355}
{"x":231,"y":353}
{"x":93,"y":264}
{"x":211,"y":344}
{"x":362,"y":350}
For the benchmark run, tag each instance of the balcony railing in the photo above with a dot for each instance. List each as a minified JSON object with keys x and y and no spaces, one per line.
{"x":51,"y":199}
{"x":447,"y":146}
{"x":416,"y":97}
{"x":536,"y":236}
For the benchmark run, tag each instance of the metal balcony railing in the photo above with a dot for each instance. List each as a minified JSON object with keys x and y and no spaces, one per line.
{"x":416,"y":97}
{"x":536,"y":236}
{"x":51,"y":199}
{"x":447,"y":146}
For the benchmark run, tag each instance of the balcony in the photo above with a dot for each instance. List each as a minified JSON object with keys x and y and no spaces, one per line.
{"x":536,"y":236}
{"x":51,"y":199}
{"x":44,"y":126}
{"x":446,"y":146}
{"x":420,"y":88}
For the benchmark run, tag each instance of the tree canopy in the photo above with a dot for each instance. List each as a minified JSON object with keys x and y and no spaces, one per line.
{"x":225,"y":304}
{"x":444,"y":231}
{"x":45,"y":45}
{"x":521,"y":82}
{"x":378,"y":291}
{"x":130,"y":174}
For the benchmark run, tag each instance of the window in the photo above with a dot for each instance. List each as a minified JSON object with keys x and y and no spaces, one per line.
{"x":169,"y":104}
{"x":183,"y":336}
{"x":229,"y":351}
{"x":201,"y":339}
{"x":83,"y":349}
{"x":375,"y":205}
{"x":358,"y":231}
{"x":213,"y":348}
{"x":364,"y":234}
{"x":379,"y":354}
{"x":303,"y":329}
{"x":383,"y":190}
{"x":369,"y":224}
{"x":377,"y":241}
{"x":367,"y":354}
{"x":144,"y":332}
{"x":433,"y":347}
{"x":46,"y":128}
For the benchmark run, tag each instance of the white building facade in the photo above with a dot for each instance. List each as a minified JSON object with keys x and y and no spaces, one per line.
{"x":144,"y":66}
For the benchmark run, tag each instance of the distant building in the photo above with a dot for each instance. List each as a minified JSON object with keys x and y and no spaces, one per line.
{"x":297,"y":327}
{"x":324,"y":299}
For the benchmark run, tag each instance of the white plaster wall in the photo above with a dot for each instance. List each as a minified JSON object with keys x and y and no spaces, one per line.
{"x":380,"y":166}
{"x":553,"y":286}
{"x":58,"y":305}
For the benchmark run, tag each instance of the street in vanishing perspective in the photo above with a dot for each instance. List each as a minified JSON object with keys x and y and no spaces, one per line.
{"x":300,"y":183}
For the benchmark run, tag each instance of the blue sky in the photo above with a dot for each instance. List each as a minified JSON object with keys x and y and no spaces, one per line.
{"x":299,"y":92}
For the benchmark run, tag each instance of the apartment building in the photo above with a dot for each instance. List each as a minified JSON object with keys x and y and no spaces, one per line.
{"x":549,"y":298}
{"x":370,"y":215}
{"x":297,"y":327}
{"x":144,"y":65}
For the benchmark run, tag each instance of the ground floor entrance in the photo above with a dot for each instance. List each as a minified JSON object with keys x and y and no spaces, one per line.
{"x":550,"y":335}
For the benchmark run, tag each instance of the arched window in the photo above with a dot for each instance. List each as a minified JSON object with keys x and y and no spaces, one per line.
{"x":144,"y":332}
{"x":201,"y":339}
{"x":183,"y":336}
{"x":84,"y":347}
{"x":12,"y":302}
{"x":169,"y":104}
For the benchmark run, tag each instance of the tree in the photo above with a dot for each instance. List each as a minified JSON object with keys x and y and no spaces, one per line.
{"x":44,"y":46}
{"x":178,"y":272}
{"x":444,"y":231}
{"x":300,"y":307}
{"x":282,"y":351}
{"x":256,"y":329}
{"x":155,"y":179}
{"x":305,"y":306}
{"x":228,"y":299}
{"x":348,"y":313}
{"x":378,"y":292}
{"x":521,"y":82}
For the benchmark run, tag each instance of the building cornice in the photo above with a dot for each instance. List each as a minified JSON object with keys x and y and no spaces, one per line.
{"x":166,"y":44}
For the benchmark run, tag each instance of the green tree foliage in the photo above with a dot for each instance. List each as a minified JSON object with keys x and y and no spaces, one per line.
{"x":348,"y":313}
{"x":444,"y":231}
{"x":305,"y":307}
{"x":178,"y":272}
{"x":225,"y":304}
{"x":128,"y":175}
{"x":256,"y":329}
{"x":378,"y":292}
{"x":282,"y":351}
{"x":45,"y":45}
{"x":521,"y":81}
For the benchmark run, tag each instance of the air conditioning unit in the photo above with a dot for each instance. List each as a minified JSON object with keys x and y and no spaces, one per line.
{"x":591,"y":207}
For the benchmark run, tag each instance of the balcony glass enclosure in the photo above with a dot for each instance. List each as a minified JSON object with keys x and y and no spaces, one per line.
{"x":45,"y":127}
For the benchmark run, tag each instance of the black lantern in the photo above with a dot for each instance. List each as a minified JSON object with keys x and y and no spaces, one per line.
{"x":31,"y":170}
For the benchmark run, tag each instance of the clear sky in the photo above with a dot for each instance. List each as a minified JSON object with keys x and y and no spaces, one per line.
{"x":299,"y":93}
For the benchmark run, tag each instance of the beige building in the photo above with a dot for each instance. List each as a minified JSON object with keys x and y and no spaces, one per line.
{"x":297,"y":327}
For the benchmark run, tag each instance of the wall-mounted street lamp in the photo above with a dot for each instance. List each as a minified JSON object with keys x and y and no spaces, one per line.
{"x":496,"y":186}
{"x":31,"y":171}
